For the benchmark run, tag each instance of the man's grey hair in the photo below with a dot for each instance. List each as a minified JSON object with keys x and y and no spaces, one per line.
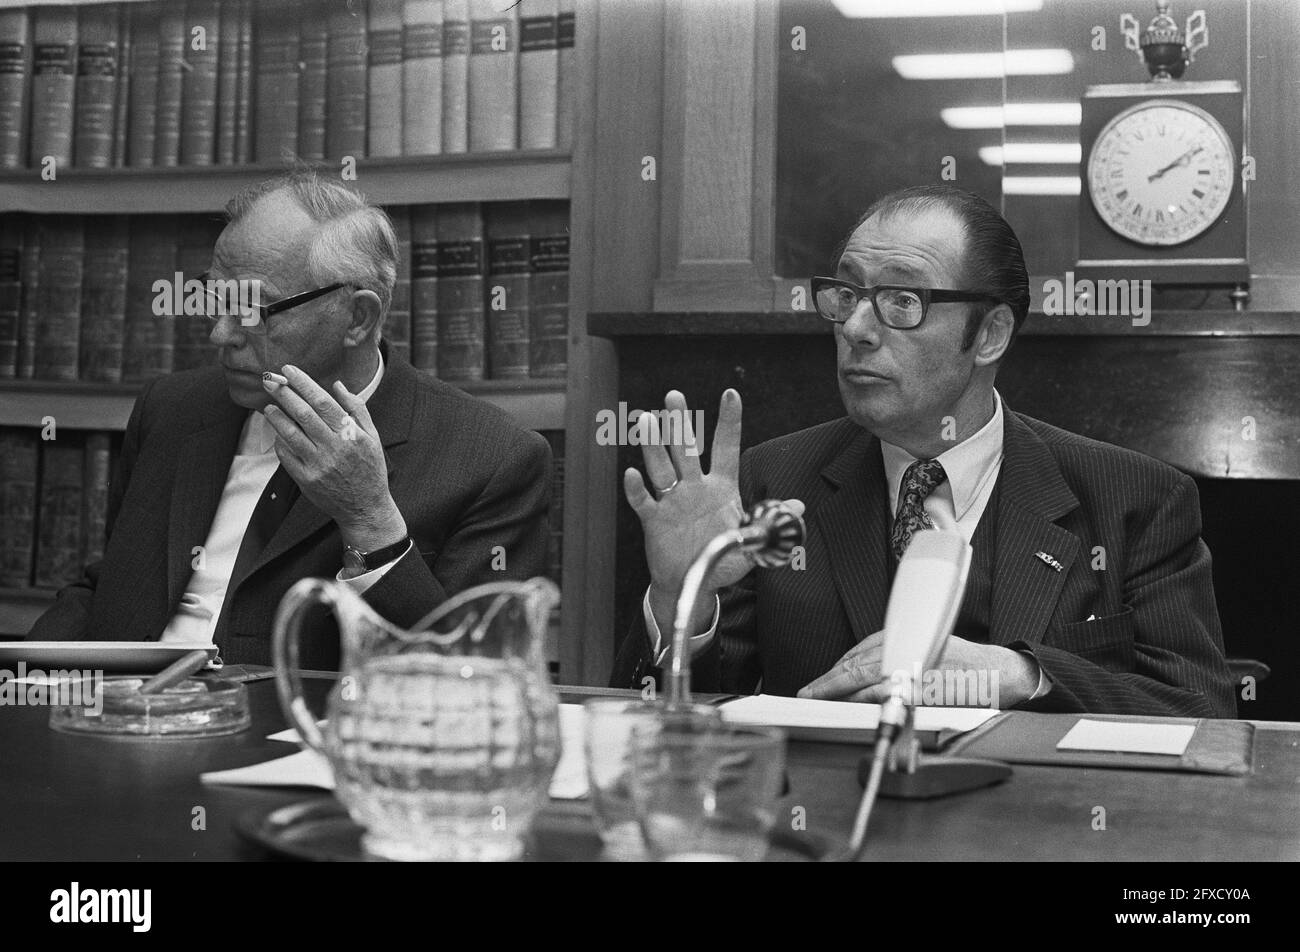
{"x":355,"y":242}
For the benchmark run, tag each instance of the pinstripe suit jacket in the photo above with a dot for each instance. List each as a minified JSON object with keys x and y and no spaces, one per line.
{"x":1125,"y":529}
{"x":464,"y":475}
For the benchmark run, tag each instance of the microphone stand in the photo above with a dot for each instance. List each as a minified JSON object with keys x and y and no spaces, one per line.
{"x":769,"y":532}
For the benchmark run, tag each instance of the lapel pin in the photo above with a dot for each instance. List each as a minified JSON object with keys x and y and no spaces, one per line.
{"x":1057,"y":566}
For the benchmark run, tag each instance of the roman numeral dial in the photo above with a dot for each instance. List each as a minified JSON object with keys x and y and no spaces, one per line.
{"x":1161,"y":172}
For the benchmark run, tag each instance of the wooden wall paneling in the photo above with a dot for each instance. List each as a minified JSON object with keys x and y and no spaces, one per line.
{"x":719,"y":156}
{"x":1273,"y":129}
{"x":615,"y":222}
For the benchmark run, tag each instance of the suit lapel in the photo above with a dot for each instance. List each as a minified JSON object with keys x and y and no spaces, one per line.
{"x":202,"y":464}
{"x":854,"y":520}
{"x":1032,"y":495}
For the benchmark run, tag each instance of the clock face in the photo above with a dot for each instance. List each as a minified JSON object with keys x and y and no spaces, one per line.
{"x":1161,"y":172}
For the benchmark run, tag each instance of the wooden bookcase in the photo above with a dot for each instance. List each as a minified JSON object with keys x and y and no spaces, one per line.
{"x":462,"y":177}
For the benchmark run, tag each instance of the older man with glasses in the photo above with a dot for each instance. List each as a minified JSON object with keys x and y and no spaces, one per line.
{"x":311,"y":450}
{"x":1090,"y":587}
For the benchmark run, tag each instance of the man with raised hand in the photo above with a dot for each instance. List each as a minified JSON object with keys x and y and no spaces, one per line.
{"x":927,"y":294}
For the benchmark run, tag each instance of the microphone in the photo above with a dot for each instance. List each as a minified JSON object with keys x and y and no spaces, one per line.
{"x":768,"y":534}
{"x":923,"y":607}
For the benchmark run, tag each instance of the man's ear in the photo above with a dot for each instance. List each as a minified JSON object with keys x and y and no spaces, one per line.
{"x":994,"y":337}
{"x":367,"y":316}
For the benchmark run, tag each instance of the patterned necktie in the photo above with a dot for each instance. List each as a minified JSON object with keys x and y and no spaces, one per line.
{"x":921,"y":479}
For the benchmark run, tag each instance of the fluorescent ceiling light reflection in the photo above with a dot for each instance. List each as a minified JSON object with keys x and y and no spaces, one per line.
{"x":1046,"y":62}
{"x":1012,"y":114}
{"x":1032,"y":153}
{"x":871,"y":9}
{"x":1040,"y":185}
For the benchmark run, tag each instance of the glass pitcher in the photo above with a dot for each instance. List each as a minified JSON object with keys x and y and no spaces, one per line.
{"x":443,"y":738}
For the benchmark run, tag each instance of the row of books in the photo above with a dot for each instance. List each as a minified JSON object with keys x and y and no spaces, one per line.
{"x":54,"y":504}
{"x":482,"y":292}
{"x":202,"y":82}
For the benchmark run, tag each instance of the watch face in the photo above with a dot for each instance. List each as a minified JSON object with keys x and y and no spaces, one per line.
{"x":1161,"y":172}
{"x":353,"y":560}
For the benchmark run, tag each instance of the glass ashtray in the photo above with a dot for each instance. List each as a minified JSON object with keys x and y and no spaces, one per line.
{"x":192,"y":708}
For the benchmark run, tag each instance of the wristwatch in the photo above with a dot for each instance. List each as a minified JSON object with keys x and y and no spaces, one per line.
{"x":358,"y":562}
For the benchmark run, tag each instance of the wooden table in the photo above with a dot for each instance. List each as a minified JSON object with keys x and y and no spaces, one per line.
{"x":68,"y":797}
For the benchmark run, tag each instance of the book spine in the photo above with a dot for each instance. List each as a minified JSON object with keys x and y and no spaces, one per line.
{"x":461,"y":331}
{"x":103,"y":298}
{"x":455,"y":76}
{"x":227,"y":82}
{"x":424,"y":287}
{"x":345,"y":102}
{"x":549,"y":289}
{"x":122,"y":99}
{"x":172,"y":37}
{"x":142,"y":121}
{"x":193,"y":348}
{"x":199,"y":91}
{"x":244,"y":86}
{"x":11,"y":292}
{"x":566,"y":90}
{"x":94,"y":527}
{"x":508,"y":251}
{"x":15,"y":72}
{"x":314,"y":39}
{"x":149,"y":348}
{"x":422,"y":77}
{"x":539,"y":54}
{"x":397,"y":329}
{"x":384,"y":109}
{"x":54,"y":79}
{"x":96,"y":90}
{"x":493,"y":77}
{"x":58,"y":331}
{"x":29,"y":273}
{"x":18,"y":469}
{"x":275,"y":101}
{"x":58,"y":544}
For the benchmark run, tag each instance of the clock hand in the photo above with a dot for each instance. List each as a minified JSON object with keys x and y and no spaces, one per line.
{"x":1182,"y":160}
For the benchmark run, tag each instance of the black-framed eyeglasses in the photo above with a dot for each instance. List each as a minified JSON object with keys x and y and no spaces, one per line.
{"x":897,"y":306}
{"x":231,"y":296}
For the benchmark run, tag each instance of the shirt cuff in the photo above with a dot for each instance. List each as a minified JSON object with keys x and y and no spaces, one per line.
{"x":1044,"y":682}
{"x":698,"y":642}
{"x":359,"y":583}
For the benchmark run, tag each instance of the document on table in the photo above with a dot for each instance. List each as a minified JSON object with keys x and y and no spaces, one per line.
{"x":307,"y":768}
{"x":843,"y":721}
{"x":1128,"y":738}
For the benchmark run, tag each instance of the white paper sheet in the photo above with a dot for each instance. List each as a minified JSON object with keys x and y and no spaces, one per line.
{"x":307,"y":768}
{"x":1128,"y":738}
{"x":831,"y":720}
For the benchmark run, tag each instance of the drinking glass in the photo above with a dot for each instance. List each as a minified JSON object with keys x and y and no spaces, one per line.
{"x":707,"y":795}
{"x":608,"y":728}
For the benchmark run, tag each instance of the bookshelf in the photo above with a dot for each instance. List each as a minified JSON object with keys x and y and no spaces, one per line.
{"x":476,"y":176}
{"x":408,"y":180}
{"x":536,"y":404}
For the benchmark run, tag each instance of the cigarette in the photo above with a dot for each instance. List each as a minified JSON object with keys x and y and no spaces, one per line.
{"x":269,"y":377}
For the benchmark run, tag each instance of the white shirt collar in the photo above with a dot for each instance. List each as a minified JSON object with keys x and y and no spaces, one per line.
{"x":259,"y":436}
{"x":969,"y":465}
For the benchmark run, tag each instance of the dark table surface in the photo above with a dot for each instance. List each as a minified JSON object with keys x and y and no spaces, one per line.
{"x":65,"y":797}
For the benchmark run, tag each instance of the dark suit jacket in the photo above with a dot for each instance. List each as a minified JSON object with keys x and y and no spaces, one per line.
{"x":465,"y":476}
{"x":1155,"y":646}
